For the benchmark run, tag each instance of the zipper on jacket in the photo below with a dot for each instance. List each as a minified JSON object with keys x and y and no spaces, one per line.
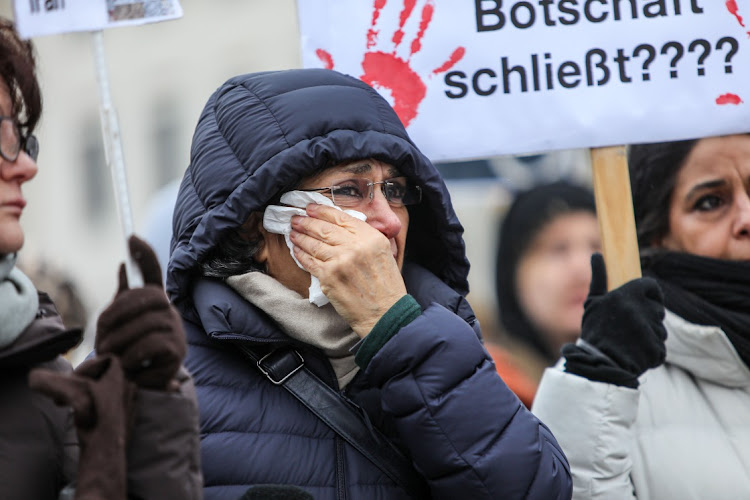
{"x":341,"y":490}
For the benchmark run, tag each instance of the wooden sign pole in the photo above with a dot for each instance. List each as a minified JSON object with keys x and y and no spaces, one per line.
{"x":614,"y":210}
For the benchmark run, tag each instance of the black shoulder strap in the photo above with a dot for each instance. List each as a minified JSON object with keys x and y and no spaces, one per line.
{"x":286,"y":367}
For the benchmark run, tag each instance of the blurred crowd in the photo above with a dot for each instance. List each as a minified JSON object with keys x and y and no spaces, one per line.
{"x":305,"y":327}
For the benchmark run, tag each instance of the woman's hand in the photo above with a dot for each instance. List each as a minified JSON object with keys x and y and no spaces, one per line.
{"x":353,"y":261}
{"x":625,"y":325}
{"x":141,"y":327}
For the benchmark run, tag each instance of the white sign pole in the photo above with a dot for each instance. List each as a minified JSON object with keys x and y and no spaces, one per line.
{"x":48,"y":18}
{"x":115,"y":158}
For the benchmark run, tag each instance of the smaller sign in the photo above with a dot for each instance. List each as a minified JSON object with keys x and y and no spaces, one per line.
{"x":49,"y":17}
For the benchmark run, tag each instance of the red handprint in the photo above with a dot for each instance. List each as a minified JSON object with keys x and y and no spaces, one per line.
{"x":386,"y":70}
{"x":734,"y":10}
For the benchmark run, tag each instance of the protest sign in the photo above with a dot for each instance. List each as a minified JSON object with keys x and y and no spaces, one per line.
{"x":48,"y":17}
{"x":488,"y":77}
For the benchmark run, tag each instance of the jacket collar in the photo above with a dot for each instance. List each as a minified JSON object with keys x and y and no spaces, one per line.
{"x":705,"y":352}
{"x":43,"y":340}
{"x":225,"y":315}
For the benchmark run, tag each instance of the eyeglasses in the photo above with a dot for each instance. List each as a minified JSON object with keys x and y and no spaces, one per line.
{"x":11,"y":140}
{"x":353,"y":192}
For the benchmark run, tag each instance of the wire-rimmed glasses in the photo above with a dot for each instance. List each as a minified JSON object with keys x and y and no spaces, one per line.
{"x":351,"y":193}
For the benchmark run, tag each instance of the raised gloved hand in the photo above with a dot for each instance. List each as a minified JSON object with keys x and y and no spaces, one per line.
{"x":622,"y":330}
{"x":142,"y":327}
{"x":102,"y":401}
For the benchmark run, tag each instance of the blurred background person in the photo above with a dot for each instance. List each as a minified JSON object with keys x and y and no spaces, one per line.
{"x":64,"y":291}
{"x":653,"y":404}
{"x":61,"y":287}
{"x":542,"y":278}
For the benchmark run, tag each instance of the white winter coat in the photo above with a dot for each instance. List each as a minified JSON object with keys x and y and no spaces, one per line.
{"x":683,"y":434}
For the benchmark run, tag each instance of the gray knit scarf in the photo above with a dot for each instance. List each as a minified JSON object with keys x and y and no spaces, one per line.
{"x":18,"y":300}
{"x":321,"y":327}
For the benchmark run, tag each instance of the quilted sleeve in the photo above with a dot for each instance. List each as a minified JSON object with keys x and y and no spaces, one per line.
{"x":594,"y":423}
{"x":466,"y":432}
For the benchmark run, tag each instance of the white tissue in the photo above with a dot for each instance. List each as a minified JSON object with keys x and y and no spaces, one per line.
{"x":278,"y":220}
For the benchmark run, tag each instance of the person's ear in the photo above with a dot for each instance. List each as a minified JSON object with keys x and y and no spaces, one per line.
{"x":253,"y":230}
{"x":661,"y":241}
{"x":261,"y":255}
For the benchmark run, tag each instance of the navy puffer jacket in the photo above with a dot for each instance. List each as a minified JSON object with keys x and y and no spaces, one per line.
{"x":432,"y":387}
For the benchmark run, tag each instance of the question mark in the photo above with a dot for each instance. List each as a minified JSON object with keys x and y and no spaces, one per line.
{"x":732,"y":51}
{"x":706,"y":50}
{"x":677,"y":46}
{"x":651,"y":54}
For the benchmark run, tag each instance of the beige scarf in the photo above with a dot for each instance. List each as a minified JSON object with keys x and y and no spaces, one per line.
{"x":321,"y":327}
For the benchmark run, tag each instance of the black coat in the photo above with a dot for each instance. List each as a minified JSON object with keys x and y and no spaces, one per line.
{"x":38,"y":442}
{"x":38,"y":439}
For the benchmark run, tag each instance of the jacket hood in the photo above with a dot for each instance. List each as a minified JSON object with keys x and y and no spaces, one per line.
{"x":262,"y":132}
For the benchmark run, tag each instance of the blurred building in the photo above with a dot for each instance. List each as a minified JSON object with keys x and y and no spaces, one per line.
{"x":160,"y":77}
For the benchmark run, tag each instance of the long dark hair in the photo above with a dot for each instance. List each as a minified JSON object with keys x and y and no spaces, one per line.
{"x":235,"y":253}
{"x":528,"y":215}
{"x":653,"y":174}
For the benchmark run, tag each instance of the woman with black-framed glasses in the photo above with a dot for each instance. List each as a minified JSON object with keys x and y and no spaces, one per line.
{"x":12,"y":142}
{"x":64,"y":430}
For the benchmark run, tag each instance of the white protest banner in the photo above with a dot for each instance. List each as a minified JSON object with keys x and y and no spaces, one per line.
{"x":489,"y":77}
{"x":48,"y":17}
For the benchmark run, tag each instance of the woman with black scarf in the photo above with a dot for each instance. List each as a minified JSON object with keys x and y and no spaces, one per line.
{"x":653,"y":401}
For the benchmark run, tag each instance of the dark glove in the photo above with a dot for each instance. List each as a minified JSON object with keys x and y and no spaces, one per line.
{"x":142,"y":327}
{"x":622,"y":331}
{"x":102,"y":403}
